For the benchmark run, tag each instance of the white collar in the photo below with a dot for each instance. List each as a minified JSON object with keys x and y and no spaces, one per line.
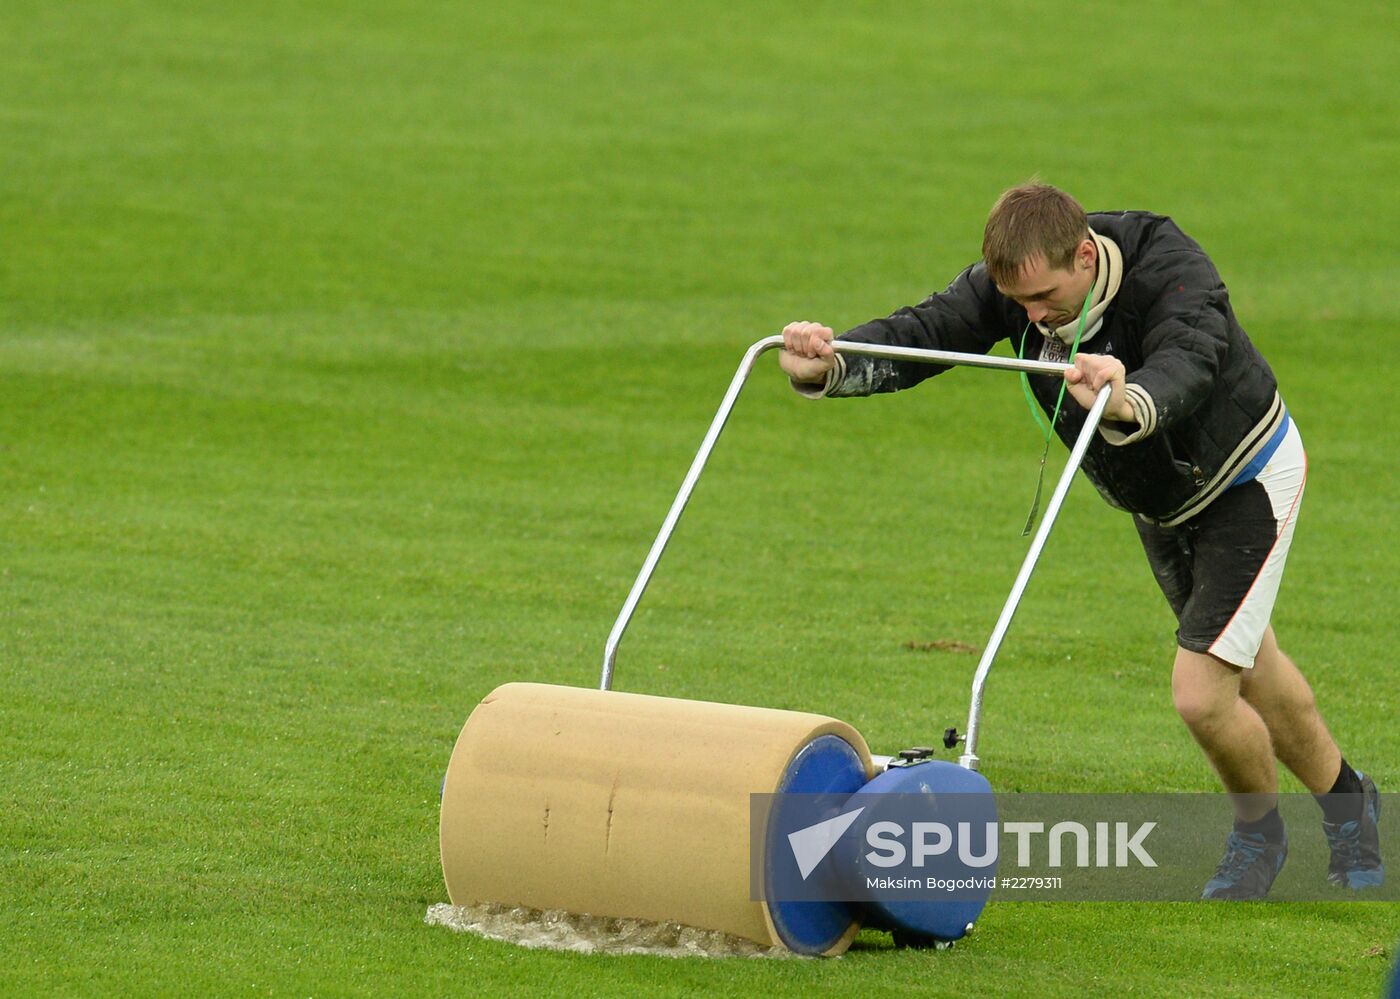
{"x":1106,"y":284}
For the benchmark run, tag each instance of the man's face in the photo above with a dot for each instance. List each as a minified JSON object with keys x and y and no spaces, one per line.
{"x":1054,"y":296}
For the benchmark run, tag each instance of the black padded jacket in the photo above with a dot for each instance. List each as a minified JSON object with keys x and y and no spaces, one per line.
{"x":1207,"y":400}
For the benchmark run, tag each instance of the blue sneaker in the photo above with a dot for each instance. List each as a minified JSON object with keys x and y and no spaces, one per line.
{"x":1248,"y":869}
{"x":1356,"y":845}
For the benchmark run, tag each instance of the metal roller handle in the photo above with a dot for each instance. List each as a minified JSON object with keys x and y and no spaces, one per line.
{"x":944,"y":357}
{"x":968,"y":759}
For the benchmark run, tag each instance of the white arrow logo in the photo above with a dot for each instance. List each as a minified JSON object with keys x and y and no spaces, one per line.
{"x":811,"y":844}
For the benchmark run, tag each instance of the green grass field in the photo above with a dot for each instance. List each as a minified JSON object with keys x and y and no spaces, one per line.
{"x":350,"y":354}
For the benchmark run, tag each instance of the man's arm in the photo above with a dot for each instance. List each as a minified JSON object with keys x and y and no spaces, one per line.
{"x":963,"y":317}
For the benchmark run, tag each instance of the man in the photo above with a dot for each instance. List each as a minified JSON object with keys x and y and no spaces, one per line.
{"x":1196,"y":443}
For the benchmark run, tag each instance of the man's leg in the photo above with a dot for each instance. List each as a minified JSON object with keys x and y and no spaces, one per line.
{"x":1235,"y":739}
{"x":1207,"y":694}
{"x":1349,"y":800}
{"x":1282,"y":698}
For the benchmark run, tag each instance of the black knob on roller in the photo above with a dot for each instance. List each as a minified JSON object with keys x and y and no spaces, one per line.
{"x":951,"y":737}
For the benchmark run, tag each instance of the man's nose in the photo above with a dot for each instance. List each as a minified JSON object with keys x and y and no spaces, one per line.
{"x":1036,"y":313}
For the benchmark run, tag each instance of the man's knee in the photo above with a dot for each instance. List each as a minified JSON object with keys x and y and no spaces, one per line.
{"x":1201,"y":710}
{"x":1204,"y":690}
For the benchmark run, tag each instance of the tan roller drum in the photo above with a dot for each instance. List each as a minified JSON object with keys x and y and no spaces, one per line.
{"x":618,"y":804}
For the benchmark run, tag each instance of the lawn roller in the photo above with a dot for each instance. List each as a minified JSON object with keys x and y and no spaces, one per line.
{"x":635,"y":806}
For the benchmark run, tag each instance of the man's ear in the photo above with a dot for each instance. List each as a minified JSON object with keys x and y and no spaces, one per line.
{"x":1086,"y":254}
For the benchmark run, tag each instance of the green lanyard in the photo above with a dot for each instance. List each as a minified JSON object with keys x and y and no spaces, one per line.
{"x":1046,"y":428}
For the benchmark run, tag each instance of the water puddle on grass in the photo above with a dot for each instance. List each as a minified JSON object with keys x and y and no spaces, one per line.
{"x":556,"y":930}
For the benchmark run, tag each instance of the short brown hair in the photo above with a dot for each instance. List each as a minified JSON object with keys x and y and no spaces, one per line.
{"x":1029,"y":221}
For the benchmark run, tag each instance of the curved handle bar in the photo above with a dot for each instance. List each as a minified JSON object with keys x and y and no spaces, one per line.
{"x":945,"y":357}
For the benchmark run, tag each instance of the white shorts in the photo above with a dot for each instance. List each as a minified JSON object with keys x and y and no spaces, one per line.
{"x":1221,"y":570}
